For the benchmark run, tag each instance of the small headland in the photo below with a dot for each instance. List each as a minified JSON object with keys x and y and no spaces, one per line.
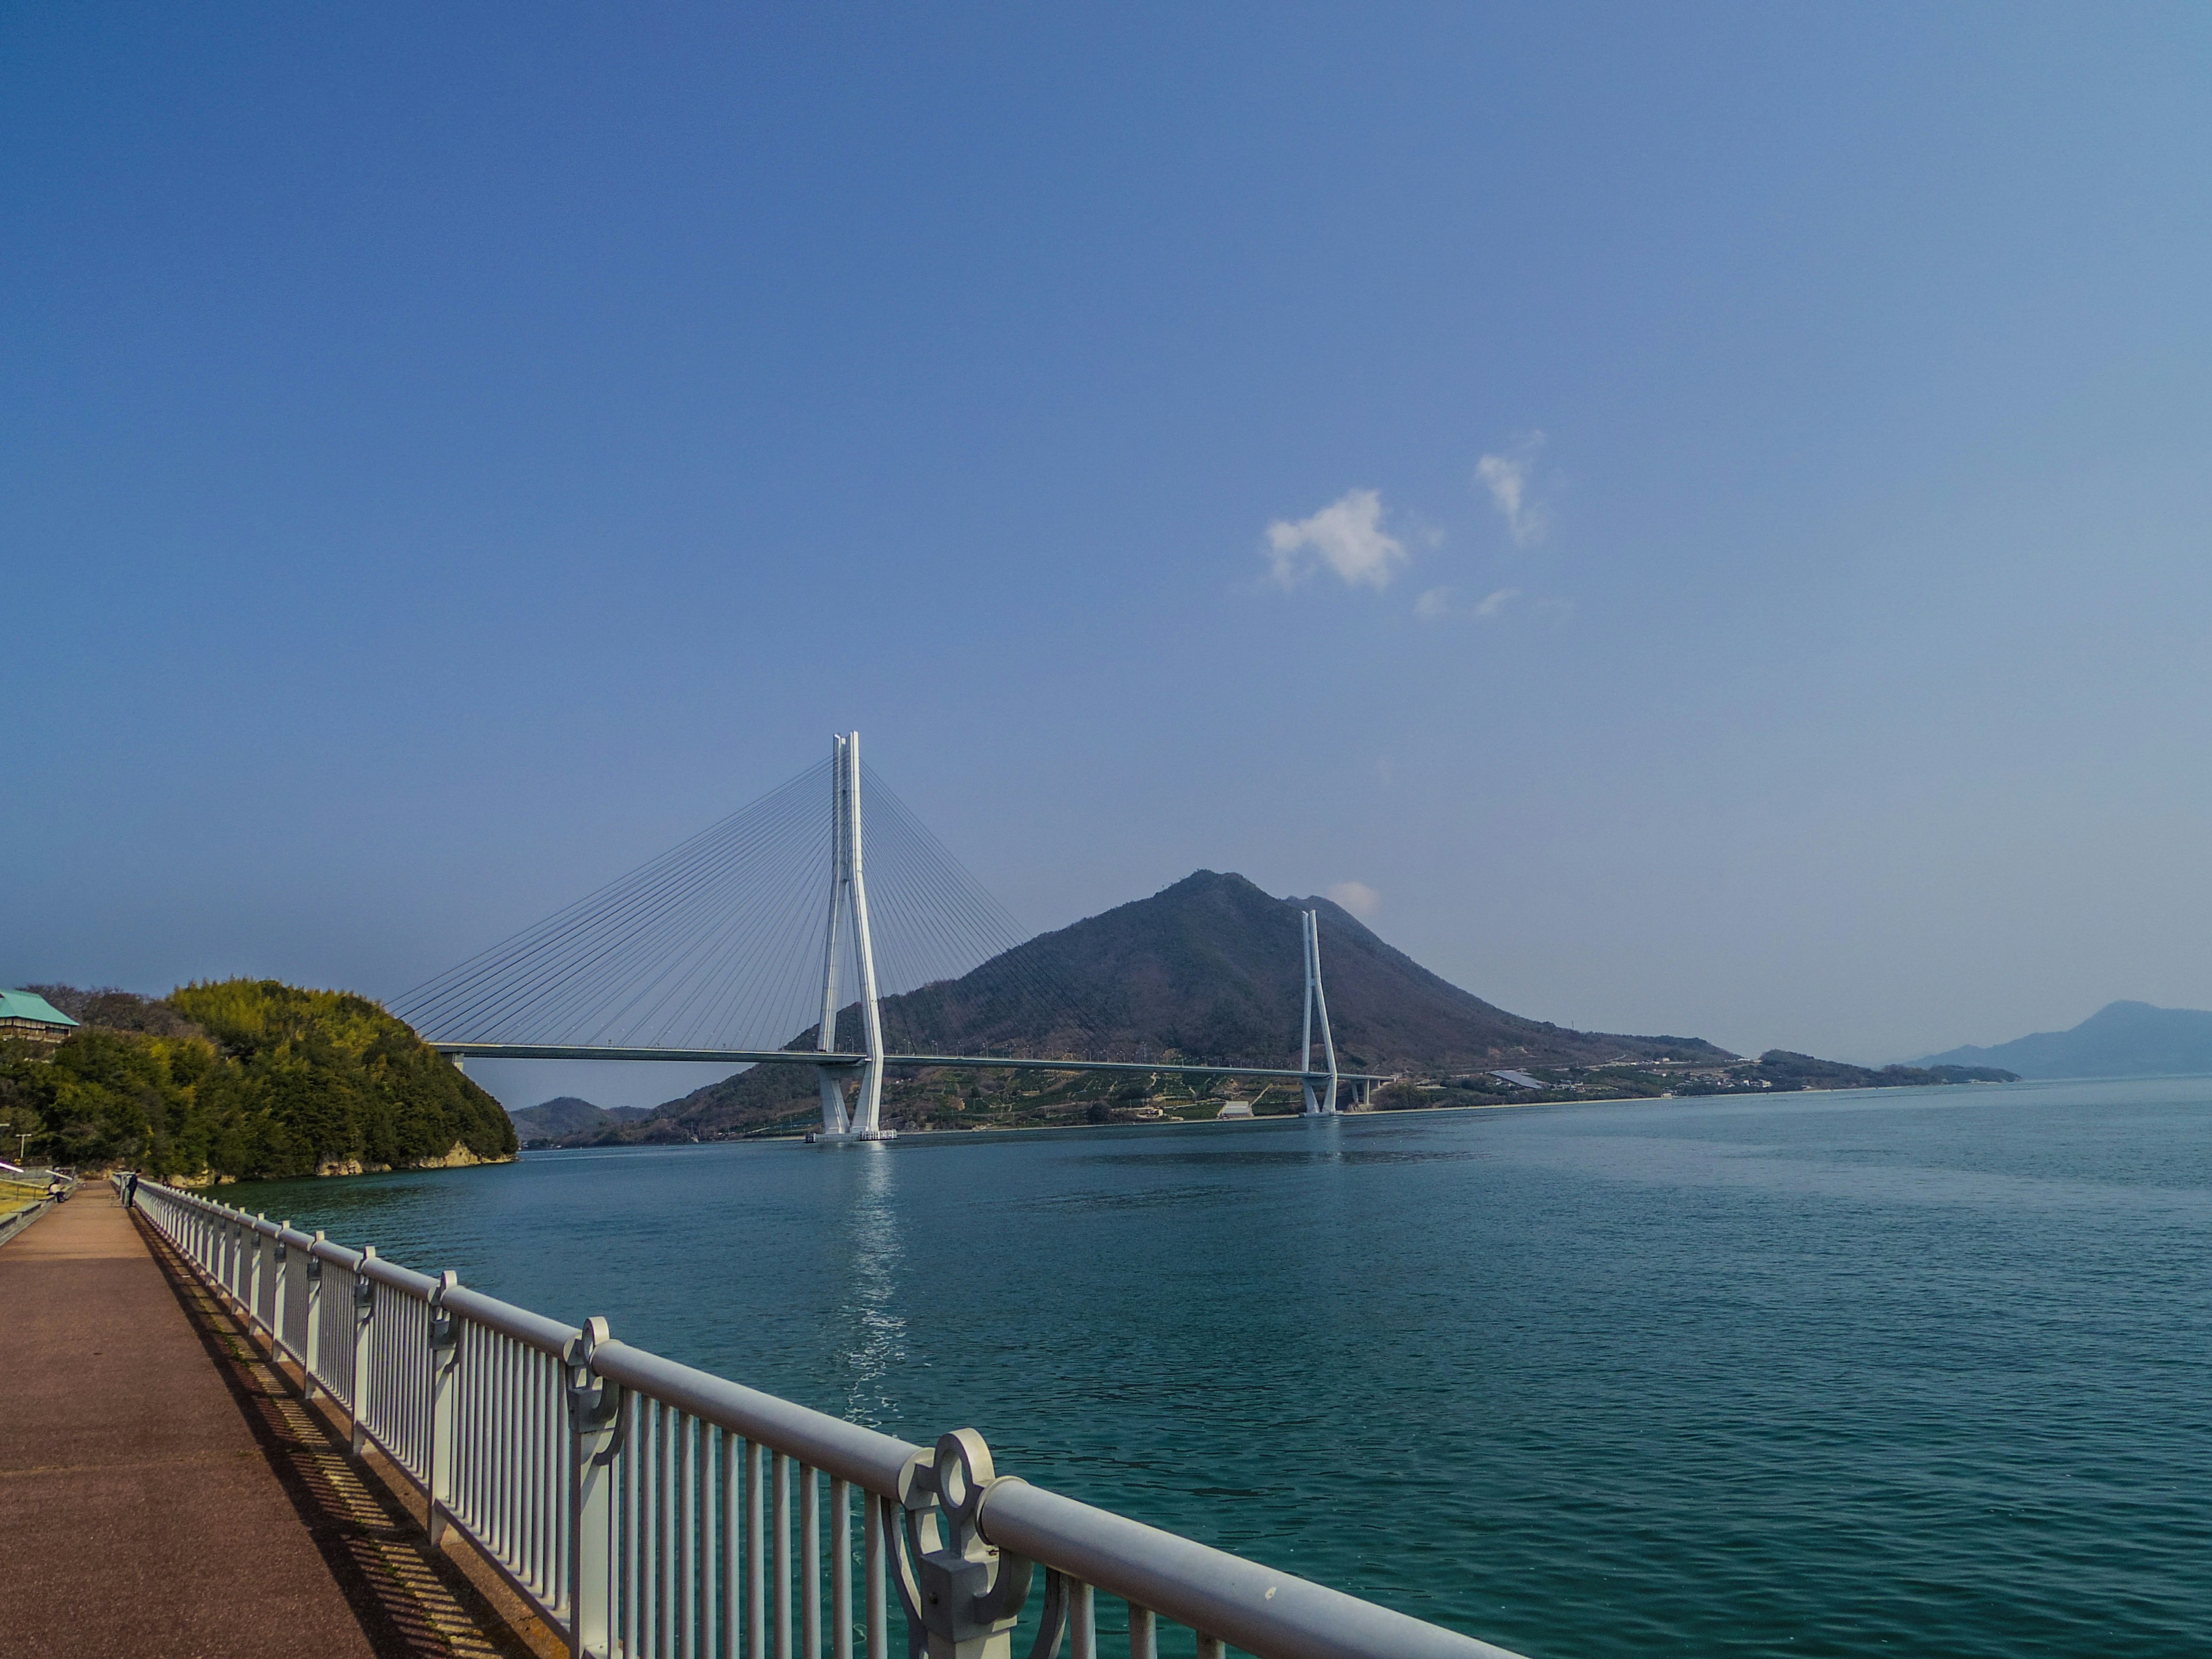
{"x":242,"y":1080}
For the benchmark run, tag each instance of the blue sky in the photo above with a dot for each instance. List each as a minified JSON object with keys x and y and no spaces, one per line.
{"x":1701,"y":514}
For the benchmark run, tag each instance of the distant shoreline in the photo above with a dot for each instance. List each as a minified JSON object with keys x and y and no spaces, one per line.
{"x":798,"y":1138}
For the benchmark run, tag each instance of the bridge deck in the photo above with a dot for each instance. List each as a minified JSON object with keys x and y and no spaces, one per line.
{"x":812,"y":1057}
{"x":163,"y":1491}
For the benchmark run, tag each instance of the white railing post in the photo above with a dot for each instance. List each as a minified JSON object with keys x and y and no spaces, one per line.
{"x":254,"y":1272}
{"x":364,"y":1310}
{"x":595,"y":1419}
{"x":840,"y":1569}
{"x":311,"y":1275}
{"x":444,"y":1358}
{"x":280,"y":1282}
{"x":1082,"y":1623}
{"x":876,"y":1592}
{"x":779,"y":1548}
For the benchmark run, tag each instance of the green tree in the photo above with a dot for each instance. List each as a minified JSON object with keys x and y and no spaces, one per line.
{"x":283,"y":1080}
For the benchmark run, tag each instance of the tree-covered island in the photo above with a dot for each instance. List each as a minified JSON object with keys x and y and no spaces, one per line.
{"x":244,"y":1079}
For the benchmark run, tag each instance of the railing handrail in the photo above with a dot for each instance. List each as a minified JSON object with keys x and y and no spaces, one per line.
{"x":403,"y":1280}
{"x":1229,"y":1598}
{"x":323,"y":1250}
{"x":849,"y":1451}
{"x":534,"y":1330}
{"x":1224,"y":1597}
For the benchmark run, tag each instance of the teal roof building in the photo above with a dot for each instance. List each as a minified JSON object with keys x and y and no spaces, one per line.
{"x":30,"y":1017}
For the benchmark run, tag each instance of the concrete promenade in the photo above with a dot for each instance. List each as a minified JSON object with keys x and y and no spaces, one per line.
{"x":162,"y":1490}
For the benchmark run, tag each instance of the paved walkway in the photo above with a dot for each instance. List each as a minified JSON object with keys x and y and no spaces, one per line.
{"x":162,"y":1490}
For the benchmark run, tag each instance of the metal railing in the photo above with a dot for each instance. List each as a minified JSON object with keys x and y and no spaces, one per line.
{"x":651,"y":1510}
{"x":27,"y":1194}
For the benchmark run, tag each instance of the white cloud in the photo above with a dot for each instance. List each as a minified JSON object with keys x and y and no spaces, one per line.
{"x":1357,"y":897}
{"x":1507,"y":477}
{"x":1347,"y":536}
{"x":1436,"y":604}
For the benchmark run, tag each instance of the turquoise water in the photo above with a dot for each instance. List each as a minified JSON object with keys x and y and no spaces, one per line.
{"x":1915,"y":1372}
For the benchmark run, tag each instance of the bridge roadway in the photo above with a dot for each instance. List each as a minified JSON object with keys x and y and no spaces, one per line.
{"x":814,"y":1057}
{"x":163,"y":1491}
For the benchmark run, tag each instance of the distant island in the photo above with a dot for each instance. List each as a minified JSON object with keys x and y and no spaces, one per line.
{"x":567,"y":1115}
{"x":2121,"y":1039}
{"x":1207,"y":971}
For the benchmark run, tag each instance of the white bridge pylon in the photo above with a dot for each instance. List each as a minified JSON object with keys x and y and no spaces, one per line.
{"x":1316,"y":1004}
{"x":857,"y":1115}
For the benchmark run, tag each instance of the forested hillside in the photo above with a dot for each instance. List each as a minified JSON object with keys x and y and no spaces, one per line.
{"x":244,"y":1079}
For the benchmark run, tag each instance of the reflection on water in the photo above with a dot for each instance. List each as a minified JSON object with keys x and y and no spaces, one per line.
{"x":871,"y":1329}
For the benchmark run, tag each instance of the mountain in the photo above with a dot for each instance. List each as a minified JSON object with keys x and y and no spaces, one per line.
{"x":1209,"y":971}
{"x":2122,"y":1039}
{"x":566,"y":1116}
{"x":562,"y":1116}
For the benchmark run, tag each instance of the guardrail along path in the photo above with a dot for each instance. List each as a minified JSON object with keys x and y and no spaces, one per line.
{"x":163,"y":1492}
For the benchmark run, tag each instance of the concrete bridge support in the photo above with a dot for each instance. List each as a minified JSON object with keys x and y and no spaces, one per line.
{"x":852,"y":1096}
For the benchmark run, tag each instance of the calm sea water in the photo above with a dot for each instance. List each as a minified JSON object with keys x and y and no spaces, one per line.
{"x":1917,"y":1372}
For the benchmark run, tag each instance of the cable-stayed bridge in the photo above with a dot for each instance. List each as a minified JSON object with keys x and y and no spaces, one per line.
{"x":721,"y":948}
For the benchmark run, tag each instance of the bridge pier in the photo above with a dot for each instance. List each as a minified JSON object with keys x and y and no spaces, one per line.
{"x":834,"y":1120}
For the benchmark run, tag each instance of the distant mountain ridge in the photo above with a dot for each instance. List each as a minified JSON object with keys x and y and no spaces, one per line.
{"x":2121,"y":1039}
{"x":567,"y":1115}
